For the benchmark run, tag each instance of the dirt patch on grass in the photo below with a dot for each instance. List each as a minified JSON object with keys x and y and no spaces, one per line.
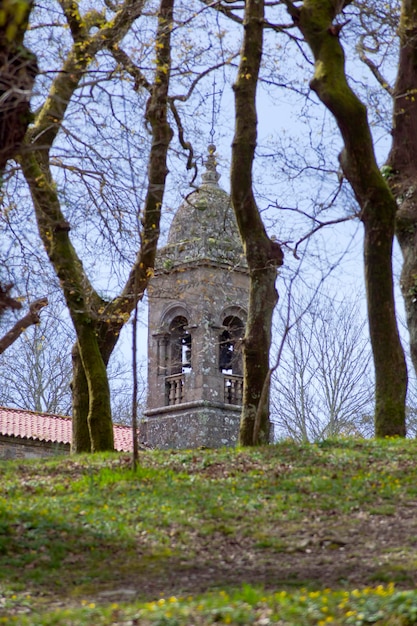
{"x":339,"y":552}
{"x":371,"y":544}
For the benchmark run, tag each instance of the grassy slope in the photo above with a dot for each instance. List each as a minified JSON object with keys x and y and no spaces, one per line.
{"x":321,"y":534}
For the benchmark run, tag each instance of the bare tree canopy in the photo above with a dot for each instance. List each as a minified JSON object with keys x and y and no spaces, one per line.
{"x":323,"y":386}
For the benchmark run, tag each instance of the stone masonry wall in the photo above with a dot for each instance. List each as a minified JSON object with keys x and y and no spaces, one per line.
{"x":191,"y":428}
{"x":18,"y":448}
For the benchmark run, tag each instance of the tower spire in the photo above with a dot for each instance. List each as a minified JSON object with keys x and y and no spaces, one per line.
{"x":213,"y":111}
{"x":211,"y":176}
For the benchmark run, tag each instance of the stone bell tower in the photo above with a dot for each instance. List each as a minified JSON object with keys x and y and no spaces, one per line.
{"x":197,"y":314}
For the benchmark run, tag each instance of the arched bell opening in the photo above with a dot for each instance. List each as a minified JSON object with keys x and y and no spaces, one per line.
{"x":230,"y":346}
{"x":230,"y":358}
{"x":180,"y":345}
{"x":179,"y":360}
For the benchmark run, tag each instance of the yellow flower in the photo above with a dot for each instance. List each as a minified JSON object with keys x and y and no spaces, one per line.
{"x":327,"y":620}
{"x":314,"y":594}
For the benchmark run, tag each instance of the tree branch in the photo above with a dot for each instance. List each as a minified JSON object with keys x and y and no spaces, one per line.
{"x":126,"y":62}
{"x":373,"y":67}
{"x":49,"y":120}
{"x":319,"y":227}
{"x":30,"y":318}
{"x":6,"y":301}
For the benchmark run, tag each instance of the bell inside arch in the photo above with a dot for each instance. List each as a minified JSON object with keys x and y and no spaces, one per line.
{"x":230,"y":346}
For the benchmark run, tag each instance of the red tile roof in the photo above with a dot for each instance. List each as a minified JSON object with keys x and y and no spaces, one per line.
{"x":51,"y":428}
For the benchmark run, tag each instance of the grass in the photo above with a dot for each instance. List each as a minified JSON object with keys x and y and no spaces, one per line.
{"x":286,"y":534}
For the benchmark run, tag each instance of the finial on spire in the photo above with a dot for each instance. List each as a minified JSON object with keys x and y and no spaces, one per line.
{"x":211,"y":175}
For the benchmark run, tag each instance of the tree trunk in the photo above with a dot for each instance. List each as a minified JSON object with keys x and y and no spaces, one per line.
{"x":18,"y":70}
{"x":389,"y":361}
{"x":402,"y":164}
{"x":378,"y":206}
{"x":262,"y":254}
{"x":80,"y":405}
{"x":255,"y":425}
{"x":99,"y":418}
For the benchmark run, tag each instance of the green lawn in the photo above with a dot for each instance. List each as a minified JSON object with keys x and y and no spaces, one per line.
{"x":287,"y":534}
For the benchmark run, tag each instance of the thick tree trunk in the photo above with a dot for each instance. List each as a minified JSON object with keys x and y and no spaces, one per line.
{"x":99,"y":418}
{"x":390,"y":369}
{"x":402,"y":164}
{"x":262,"y":254}
{"x":80,"y":405}
{"x":255,"y":425}
{"x":18,"y":70}
{"x":314,"y":19}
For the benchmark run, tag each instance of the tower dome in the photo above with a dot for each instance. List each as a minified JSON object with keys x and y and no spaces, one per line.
{"x":204,"y":228}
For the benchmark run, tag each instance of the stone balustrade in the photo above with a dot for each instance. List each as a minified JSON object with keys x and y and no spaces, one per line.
{"x":174,"y":388}
{"x":233,"y":389}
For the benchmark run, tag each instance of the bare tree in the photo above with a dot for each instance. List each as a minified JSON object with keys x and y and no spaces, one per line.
{"x":400,"y":170}
{"x":263,"y":255}
{"x":319,"y":23}
{"x":36,"y":374}
{"x":316,"y":21}
{"x":97,"y":320}
{"x":95,"y":162}
{"x":323,"y":387}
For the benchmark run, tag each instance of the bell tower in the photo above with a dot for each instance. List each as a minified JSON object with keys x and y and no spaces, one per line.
{"x":197,"y":314}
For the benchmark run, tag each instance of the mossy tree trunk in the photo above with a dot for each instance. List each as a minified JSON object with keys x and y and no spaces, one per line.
{"x":81,"y":441}
{"x":402,"y":164}
{"x":378,"y":207}
{"x":262,"y":254}
{"x":98,"y":322}
{"x":18,"y":72}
